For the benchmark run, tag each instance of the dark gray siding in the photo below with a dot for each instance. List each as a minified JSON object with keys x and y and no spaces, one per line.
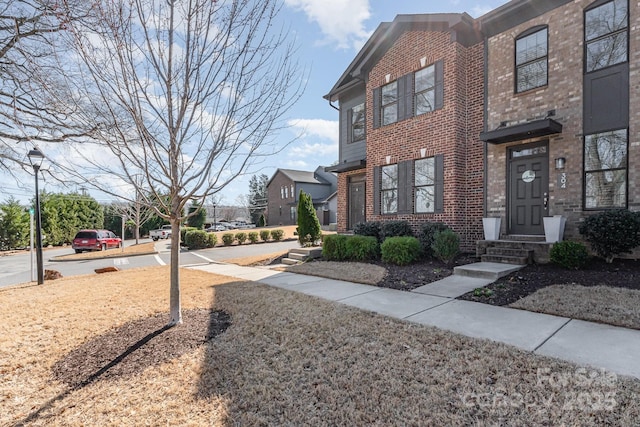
{"x":353,"y":151}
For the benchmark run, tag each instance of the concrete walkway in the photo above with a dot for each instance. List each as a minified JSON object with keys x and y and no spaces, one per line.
{"x":586,"y":343}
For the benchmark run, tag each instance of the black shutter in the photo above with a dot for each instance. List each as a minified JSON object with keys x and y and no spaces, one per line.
{"x":405,"y":187}
{"x":405,"y":97}
{"x":377,"y":94}
{"x":376,"y":190}
{"x":439,"y":183}
{"x":349,"y":126}
{"x":439,"y":95}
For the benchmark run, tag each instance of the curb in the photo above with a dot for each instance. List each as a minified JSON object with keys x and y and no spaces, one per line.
{"x":56,"y":259}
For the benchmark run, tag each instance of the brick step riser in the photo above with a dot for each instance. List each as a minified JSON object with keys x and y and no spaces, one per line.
{"x":505,"y":259}
{"x":509,"y":252}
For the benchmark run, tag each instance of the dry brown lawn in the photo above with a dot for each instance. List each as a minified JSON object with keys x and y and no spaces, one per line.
{"x":358,"y":272}
{"x":604,"y":304}
{"x":286,"y":359}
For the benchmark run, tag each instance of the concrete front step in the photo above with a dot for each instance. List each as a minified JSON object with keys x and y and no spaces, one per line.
{"x":538,"y":251}
{"x":486,"y":270}
{"x":505,"y":259}
{"x":291,"y":261}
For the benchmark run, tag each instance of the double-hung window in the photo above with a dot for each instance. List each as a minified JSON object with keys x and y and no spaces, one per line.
{"x":424,"y":185}
{"x":605,"y":34}
{"x":390,"y":103}
{"x":357,"y":123}
{"x":389,"y":189}
{"x":425,"y":90}
{"x":531,"y":59}
{"x":605,"y":166}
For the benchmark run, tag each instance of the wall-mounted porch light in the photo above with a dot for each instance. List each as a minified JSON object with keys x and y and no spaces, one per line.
{"x":560,"y":162}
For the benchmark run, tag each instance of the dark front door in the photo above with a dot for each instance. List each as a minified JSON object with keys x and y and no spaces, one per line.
{"x":528,"y":188}
{"x":356,"y":203}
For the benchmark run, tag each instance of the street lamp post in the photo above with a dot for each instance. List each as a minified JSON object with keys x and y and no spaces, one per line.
{"x":215,"y":223}
{"x":35,"y":158}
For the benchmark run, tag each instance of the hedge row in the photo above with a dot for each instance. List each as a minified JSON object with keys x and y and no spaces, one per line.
{"x":200,"y":239}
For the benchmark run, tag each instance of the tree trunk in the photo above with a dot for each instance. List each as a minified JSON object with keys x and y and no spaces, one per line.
{"x":174,"y":301}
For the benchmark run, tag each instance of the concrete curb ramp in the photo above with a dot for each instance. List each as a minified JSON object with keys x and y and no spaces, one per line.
{"x":585,"y":343}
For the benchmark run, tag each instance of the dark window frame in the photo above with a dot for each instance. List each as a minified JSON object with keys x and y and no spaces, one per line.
{"x":417,"y":187}
{"x":517,"y":67}
{"x":352,"y":123}
{"x":591,"y":7}
{"x":586,"y":171}
{"x":392,"y":104}
{"x":394,"y":190}
{"x":417,"y":93}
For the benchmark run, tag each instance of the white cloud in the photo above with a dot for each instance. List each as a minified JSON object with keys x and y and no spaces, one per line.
{"x":298,"y":164}
{"x":313,"y":150}
{"x":326,"y":129}
{"x":341,"y":21}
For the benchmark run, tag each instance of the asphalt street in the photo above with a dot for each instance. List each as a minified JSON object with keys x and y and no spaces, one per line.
{"x":15,"y":269}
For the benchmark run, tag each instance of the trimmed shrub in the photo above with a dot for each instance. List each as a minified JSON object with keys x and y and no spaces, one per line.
{"x":253,"y":236}
{"x":277,"y":234}
{"x":183,"y":233}
{"x":369,"y":228}
{"x":395,"y":229}
{"x":241,"y":237}
{"x":446,"y":245}
{"x":196,"y":239}
{"x":400,"y":250}
{"x":309,"y":230}
{"x":213,"y":240}
{"x":570,"y":255}
{"x":361,"y":248}
{"x":427,"y":234}
{"x":611,"y":233}
{"x":334,"y":247}
{"x":265,"y":235}
{"x":227,"y":239}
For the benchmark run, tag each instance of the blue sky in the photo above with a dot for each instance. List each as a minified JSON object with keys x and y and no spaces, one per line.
{"x":329,"y":34}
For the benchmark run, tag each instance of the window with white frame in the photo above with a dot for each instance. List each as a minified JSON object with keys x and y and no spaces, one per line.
{"x":357,"y":123}
{"x":389,"y":104}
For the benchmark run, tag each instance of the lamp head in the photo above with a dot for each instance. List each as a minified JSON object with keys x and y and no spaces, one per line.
{"x":35,"y":157}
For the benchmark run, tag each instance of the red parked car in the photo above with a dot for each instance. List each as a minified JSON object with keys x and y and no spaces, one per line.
{"x":95,"y":240}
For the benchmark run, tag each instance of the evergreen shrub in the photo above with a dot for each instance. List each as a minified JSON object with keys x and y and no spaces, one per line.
{"x":570,"y":255}
{"x":401,"y":250}
{"x":613,"y":232}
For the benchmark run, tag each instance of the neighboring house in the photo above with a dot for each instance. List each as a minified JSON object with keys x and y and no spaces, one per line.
{"x":411,"y":112}
{"x":561,"y":130}
{"x":283,"y":190}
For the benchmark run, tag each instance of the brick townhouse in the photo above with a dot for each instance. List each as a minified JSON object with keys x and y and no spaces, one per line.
{"x":560,"y":130}
{"x":410,"y":119}
{"x":524,"y":113}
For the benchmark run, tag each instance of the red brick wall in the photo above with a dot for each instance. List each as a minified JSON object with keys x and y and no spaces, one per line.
{"x":452,"y":131}
{"x":564,"y":93}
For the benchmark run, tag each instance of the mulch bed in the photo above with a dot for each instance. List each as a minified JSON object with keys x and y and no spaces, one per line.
{"x":137,"y":345}
{"x":621,"y":273}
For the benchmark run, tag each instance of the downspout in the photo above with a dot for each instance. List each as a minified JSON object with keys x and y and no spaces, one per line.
{"x":333,"y":106}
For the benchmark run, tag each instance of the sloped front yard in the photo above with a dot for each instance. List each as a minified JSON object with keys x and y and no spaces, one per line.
{"x":281,"y":358}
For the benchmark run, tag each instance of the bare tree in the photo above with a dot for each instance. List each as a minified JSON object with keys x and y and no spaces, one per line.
{"x":33,"y":105}
{"x":185,"y":93}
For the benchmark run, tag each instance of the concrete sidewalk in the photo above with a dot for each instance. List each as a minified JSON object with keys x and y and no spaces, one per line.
{"x":585,"y":343}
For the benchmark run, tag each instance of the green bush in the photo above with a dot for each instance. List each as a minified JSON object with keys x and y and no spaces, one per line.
{"x":241,"y":237}
{"x":183,"y":233}
{"x":570,"y":255}
{"x":334,"y":247}
{"x":361,"y":248}
{"x":611,"y":233}
{"x":401,"y":250}
{"x":265,"y":235}
{"x":369,"y":228}
{"x":227,"y":239}
{"x":253,"y":236}
{"x":309,"y":230}
{"x":277,"y":234}
{"x":426,"y":236}
{"x":446,"y":245}
{"x":196,"y":239}
{"x":261,"y":221}
{"x":213,"y":240}
{"x":395,"y":229}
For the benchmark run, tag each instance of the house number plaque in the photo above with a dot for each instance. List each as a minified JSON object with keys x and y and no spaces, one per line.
{"x":528,"y":176}
{"x":562,"y":180}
